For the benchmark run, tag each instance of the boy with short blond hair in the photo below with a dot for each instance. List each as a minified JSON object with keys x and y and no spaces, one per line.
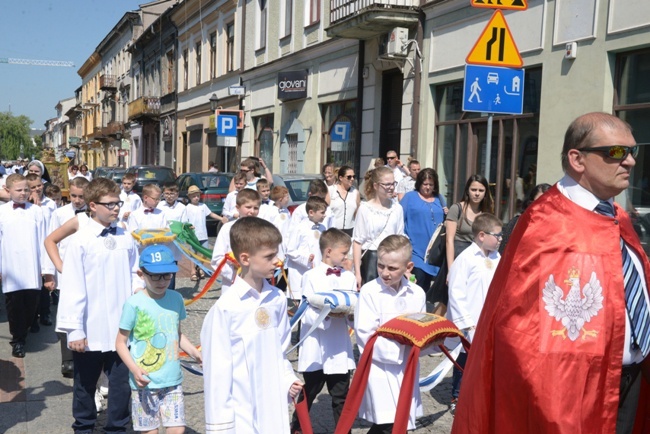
{"x":302,"y":249}
{"x":170,"y":206}
{"x":318,"y":188}
{"x":469,"y":280}
{"x":229,"y":206}
{"x":197,"y":212}
{"x":153,"y":317}
{"x":326,"y":355}
{"x":148,"y":216}
{"x":99,"y":274}
{"x":389,"y":295}
{"x":131,"y":200}
{"x":266,"y":207}
{"x":23,"y":260}
{"x":247,"y":383}
{"x":248,"y":205}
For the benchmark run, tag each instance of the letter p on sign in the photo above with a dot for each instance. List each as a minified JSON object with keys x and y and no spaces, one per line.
{"x":341,"y":132}
{"x":227,"y":125}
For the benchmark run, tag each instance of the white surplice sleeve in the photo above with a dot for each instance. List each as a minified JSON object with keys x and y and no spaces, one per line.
{"x":218,"y":372}
{"x":298,"y":248}
{"x":459,"y":303}
{"x":47,"y":266}
{"x":284,"y":329}
{"x":73,"y":301}
{"x":221,"y":248}
{"x":312,"y":313}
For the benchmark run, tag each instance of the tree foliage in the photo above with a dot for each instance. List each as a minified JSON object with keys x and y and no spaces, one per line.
{"x":15,"y":140}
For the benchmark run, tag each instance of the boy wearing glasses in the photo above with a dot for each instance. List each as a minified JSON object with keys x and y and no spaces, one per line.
{"x":148,"y":341}
{"x":171,"y":207}
{"x":99,"y":274}
{"x":469,"y":279}
{"x":148,"y":216}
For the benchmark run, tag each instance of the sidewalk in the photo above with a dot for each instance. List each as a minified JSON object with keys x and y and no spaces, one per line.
{"x":36,"y":399}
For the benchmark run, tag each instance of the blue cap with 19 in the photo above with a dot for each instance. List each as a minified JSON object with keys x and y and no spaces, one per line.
{"x":158,"y":259}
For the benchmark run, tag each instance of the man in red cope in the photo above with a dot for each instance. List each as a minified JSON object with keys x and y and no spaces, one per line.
{"x":565,"y":330}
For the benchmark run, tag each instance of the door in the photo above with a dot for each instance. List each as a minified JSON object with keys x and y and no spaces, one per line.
{"x":391,"y":112}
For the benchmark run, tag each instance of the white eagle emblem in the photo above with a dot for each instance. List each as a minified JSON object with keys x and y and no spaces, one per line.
{"x":575,"y":310}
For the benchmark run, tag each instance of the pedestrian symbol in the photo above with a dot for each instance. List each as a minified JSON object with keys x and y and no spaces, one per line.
{"x":475,"y":89}
{"x":495,"y":46}
{"x":518,"y":5}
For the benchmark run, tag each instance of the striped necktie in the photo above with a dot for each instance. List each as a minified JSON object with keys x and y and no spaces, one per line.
{"x":637,"y":308}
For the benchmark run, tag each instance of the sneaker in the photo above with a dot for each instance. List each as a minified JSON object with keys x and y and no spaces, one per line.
{"x":99,"y":401}
{"x":452,"y":406}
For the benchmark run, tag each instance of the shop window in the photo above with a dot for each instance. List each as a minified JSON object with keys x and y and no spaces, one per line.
{"x":340,"y":133}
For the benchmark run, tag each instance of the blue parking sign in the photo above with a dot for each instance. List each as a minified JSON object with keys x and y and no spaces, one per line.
{"x":227,"y":125}
{"x":341,"y":132}
{"x":493,"y":89}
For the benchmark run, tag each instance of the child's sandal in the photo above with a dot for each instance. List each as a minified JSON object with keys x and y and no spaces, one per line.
{"x":194,"y":278}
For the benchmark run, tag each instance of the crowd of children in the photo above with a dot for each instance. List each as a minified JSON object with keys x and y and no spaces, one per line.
{"x":117,"y":316}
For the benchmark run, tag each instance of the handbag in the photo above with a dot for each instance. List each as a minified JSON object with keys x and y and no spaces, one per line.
{"x":437,"y":248}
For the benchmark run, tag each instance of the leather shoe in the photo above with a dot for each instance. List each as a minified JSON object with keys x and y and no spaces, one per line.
{"x":18,"y":350}
{"x":67,"y":369}
{"x":45,"y":320}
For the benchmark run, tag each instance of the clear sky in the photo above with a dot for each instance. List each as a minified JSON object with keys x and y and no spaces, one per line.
{"x":50,"y":30}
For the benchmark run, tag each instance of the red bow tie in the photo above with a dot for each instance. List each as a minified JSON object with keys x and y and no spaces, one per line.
{"x":335,"y":271}
{"x":19,"y":205}
{"x":148,"y":210}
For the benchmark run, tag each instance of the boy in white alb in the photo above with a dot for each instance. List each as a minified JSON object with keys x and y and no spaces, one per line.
{"x":326,"y":355}
{"x":229,"y":211}
{"x":76,"y":206}
{"x":99,"y":274}
{"x":131,"y":200}
{"x":23,"y":261}
{"x":390,"y":295}
{"x":171,"y":207}
{"x":148,"y":216}
{"x":196,"y":213}
{"x":247,"y":379}
{"x":248,"y":205}
{"x":469,"y":280}
{"x":318,"y":188}
{"x":302,"y":250}
{"x":266,"y":208}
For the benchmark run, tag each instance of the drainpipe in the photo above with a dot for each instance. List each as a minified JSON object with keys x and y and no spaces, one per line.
{"x":417,"y":84}
{"x":238,"y":149}
{"x":362,"y":56}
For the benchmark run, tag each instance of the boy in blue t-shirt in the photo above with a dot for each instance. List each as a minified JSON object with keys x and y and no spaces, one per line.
{"x":148,"y":341}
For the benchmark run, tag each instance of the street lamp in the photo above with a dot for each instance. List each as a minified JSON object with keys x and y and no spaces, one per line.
{"x":214,"y":102}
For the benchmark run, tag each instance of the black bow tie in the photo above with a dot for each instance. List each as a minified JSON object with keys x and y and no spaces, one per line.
{"x":334,"y":271}
{"x":109,"y":230}
{"x":77,"y":211}
{"x":19,"y":205}
{"x":266,"y":201}
{"x":148,"y":210}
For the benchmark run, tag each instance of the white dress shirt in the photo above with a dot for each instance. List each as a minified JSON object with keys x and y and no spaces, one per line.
{"x":23,"y":259}
{"x":230,"y":205}
{"x":176,"y":212}
{"x":469,"y":280}
{"x":378,"y":304}
{"x":329,"y":347}
{"x":221,"y":248}
{"x":586,"y":199}
{"x":99,"y":274}
{"x":196,"y":215}
{"x":300,"y":213}
{"x":151,"y":220}
{"x":303,"y":242}
{"x":246,"y":376}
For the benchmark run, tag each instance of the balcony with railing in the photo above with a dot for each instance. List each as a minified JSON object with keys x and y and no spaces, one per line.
{"x":147,"y":106}
{"x":112,"y":129}
{"x":364,"y":19}
{"x":108,"y":82}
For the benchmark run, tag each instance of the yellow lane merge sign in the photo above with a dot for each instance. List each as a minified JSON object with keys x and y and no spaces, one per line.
{"x":518,"y":5}
{"x":495,"y":46}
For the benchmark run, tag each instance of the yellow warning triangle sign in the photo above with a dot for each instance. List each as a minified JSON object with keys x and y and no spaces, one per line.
{"x":495,"y":46}
{"x":518,"y":5}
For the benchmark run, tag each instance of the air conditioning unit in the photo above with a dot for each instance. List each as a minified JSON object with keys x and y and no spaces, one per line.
{"x":396,"y":40}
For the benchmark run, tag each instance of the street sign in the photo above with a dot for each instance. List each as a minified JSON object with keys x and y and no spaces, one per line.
{"x":495,"y":46}
{"x":519,"y":5}
{"x":491,"y":89}
{"x":227,"y":125}
{"x":340,"y":132}
{"x":236,"y":90}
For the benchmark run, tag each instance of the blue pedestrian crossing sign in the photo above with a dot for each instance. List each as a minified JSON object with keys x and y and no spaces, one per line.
{"x":493,"y":89}
{"x":227,"y":125}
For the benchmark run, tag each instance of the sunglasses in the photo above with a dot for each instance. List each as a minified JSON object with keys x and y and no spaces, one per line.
{"x":391,"y":158}
{"x":616,"y":152}
{"x":349,"y":177}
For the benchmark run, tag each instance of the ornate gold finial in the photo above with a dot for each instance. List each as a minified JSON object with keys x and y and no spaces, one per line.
{"x":574,"y":273}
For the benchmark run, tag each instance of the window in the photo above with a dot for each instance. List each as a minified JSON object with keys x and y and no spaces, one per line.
{"x":230,"y":47}
{"x":265,"y":138}
{"x":314,"y":12}
{"x":170,"y":72}
{"x":342,"y":117}
{"x":287,"y":10}
{"x":197,"y":50}
{"x":185,"y":70}
{"x":261,"y":40}
{"x":632,"y":104}
{"x":213,"y":55}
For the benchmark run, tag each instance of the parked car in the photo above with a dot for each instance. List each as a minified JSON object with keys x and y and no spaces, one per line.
{"x":151,"y":175}
{"x":214,"y":189}
{"x":116,"y":174}
{"x":101,"y":172}
{"x":298,"y":186}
